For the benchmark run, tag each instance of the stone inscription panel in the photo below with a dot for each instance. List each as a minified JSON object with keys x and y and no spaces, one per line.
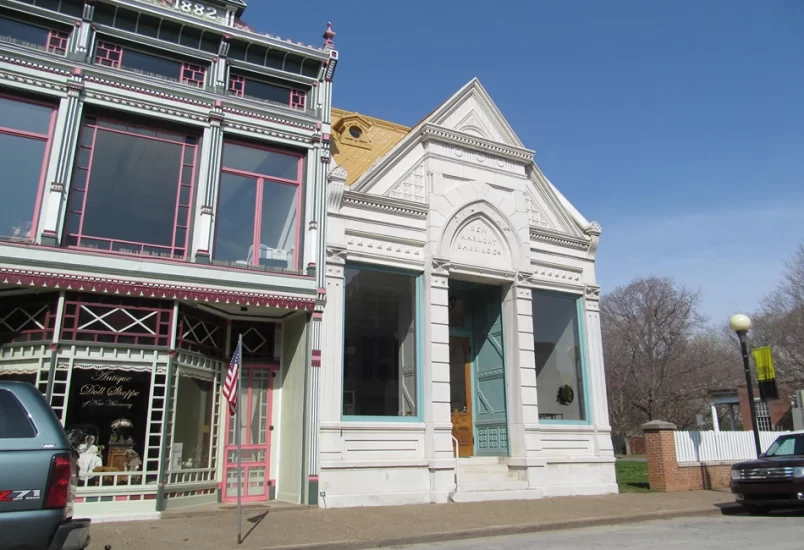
{"x":477,"y":239}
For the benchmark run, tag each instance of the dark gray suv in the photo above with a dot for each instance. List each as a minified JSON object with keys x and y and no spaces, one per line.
{"x":38,"y":475}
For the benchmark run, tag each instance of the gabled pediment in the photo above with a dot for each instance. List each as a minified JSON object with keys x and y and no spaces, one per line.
{"x":472,"y":111}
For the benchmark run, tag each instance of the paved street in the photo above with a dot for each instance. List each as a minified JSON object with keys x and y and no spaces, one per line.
{"x":712,"y":533}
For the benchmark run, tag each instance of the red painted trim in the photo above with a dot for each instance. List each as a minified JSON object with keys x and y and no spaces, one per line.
{"x":318,"y":315}
{"x":313,"y":478}
{"x":316,"y":357}
{"x":63,"y":281}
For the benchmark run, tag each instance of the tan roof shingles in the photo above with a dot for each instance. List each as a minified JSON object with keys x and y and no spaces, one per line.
{"x":358,"y":156}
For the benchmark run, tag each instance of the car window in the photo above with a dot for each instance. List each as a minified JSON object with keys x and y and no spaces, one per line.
{"x":791,"y":445}
{"x":14,"y":419}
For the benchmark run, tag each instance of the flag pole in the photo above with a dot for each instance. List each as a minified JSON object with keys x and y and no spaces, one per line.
{"x":239,"y":437}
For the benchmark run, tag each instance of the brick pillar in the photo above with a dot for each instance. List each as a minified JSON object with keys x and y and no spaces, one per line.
{"x":660,"y":447}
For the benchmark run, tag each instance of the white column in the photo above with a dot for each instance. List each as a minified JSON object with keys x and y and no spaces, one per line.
{"x":520,"y":367}
{"x":715,"y":423}
{"x":594,"y":360}
{"x":436,"y":380}
{"x":331,"y":395}
{"x":209,"y":166}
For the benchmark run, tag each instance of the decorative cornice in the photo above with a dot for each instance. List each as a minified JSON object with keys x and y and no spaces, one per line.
{"x":34,"y":65}
{"x":264,"y":131}
{"x":39,"y":83}
{"x":594,"y":231}
{"x":384,"y":245}
{"x":375,"y":202}
{"x":148,"y":91}
{"x":64,"y":281}
{"x":270,"y":118}
{"x":554,"y":237}
{"x":109,"y":98}
{"x":431,"y":132}
{"x":567,"y":274}
{"x":592,"y":292}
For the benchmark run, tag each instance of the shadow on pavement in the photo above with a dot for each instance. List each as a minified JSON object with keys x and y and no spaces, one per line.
{"x":734,"y":509}
{"x":255,"y":520}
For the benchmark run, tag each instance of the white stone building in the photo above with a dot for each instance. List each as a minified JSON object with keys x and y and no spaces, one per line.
{"x":461,"y":319}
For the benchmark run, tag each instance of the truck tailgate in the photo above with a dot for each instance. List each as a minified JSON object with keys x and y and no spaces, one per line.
{"x":23,"y":478}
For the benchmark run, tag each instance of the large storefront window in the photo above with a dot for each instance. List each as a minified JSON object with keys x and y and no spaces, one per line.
{"x":131,"y":190}
{"x":259,"y":208}
{"x":379,"y":363}
{"x":25,"y":131}
{"x":192,"y":428}
{"x":559,"y":358}
{"x":107,"y":422}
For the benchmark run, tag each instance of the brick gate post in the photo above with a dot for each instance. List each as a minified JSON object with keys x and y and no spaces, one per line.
{"x":660,"y":448}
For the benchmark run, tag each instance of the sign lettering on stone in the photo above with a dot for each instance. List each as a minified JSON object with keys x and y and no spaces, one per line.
{"x":478,"y":238}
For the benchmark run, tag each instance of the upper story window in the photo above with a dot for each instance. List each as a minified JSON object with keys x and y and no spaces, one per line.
{"x":26,"y":129}
{"x":264,"y":56}
{"x":259,"y":207}
{"x":74,"y":8}
{"x":243,"y":86}
{"x":119,"y":57}
{"x":131,"y":189}
{"x":28,"y":34}
{"x":155,"y":27}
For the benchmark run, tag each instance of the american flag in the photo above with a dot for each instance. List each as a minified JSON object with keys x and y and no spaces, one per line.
{"x":230,"y":387}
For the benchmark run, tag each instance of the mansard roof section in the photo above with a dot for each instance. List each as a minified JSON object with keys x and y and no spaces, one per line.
{"x":472,"y":111}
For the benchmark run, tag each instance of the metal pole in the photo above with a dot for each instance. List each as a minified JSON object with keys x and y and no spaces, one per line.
{"x":239,"y":437}
{"x":750,"y":388}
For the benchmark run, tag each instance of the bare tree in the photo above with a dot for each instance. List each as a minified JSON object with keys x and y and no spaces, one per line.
{"x":661,"y":361}
{"x":780,"y":321}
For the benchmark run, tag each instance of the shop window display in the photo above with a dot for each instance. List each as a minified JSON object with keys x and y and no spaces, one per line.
{"x":107,"y":418}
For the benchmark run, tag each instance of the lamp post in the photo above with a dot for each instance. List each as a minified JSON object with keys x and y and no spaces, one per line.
{"x":741,"y":324}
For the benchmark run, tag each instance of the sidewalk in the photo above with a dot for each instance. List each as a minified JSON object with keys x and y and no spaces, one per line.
{"x":356,"y":528}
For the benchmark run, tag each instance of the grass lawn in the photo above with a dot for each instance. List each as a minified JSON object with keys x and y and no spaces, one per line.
{"x":632,"y":477}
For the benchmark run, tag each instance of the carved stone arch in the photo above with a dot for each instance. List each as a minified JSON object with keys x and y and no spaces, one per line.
{"x":477,"y":234}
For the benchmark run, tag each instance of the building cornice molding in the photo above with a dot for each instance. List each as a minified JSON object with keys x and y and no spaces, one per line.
{"x":83,"y":283}
{"x":558,"y":238}
{"x":387,"y":204}
{"x":432,"y":132}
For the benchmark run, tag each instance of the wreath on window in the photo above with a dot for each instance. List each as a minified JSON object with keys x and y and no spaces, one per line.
{"x":565,"y":395}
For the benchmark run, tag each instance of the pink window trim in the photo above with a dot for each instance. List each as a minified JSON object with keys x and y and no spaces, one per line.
{"x":198,"y":74}
{"x":260,"y":180}
{"x":48,"y":139}
{"x":71,"y":327}
{"x":298,"y":99}
{"x":172,"y":250}
{"x":237,"y":85}
{"x":103,"y":55}
{"x":57,"y":42}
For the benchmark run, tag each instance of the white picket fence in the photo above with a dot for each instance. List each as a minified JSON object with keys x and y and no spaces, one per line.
{"x":720,"y":446}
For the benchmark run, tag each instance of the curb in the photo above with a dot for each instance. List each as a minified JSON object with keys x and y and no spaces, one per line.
{"x":499,"y":531}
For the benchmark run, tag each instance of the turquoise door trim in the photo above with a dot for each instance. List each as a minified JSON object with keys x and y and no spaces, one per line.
{"x":579,"y":305}
{"x":419,"y":327}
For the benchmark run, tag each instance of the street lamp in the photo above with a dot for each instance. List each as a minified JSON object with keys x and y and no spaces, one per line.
{"x":741,"y":324}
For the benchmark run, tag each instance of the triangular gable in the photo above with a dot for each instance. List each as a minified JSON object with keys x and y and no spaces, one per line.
{"x":472,"y":111}
{"x":549,"y":209}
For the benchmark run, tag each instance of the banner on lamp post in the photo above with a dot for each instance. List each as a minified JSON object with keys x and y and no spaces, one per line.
{"x":766,"y":373}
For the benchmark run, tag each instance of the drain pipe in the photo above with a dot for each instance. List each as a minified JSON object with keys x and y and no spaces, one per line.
{"x":456,"y":446}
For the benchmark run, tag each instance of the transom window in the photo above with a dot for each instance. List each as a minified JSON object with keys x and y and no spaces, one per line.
{"x":259,"y":207}
{"x":119,"y":57}
{"x":25,"y":133}
{"x":243,"y":86}
{"x":131,"y":189}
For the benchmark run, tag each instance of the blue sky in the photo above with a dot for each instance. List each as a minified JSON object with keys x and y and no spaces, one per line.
{"x":679,"y":126}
